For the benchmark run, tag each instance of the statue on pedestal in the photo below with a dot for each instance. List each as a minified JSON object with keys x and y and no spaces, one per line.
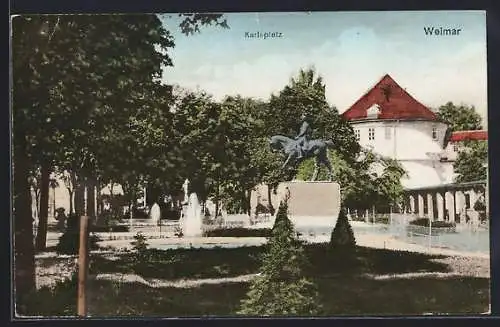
{"x":300,"y":148}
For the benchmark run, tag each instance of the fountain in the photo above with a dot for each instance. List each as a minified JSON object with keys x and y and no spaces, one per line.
{"x":192,"y":219}
{"x":155,"y":213}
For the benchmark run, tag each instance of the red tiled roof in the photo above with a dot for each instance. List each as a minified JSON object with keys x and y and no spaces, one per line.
{"x":468,"y":135}
{"x":394,"y":104}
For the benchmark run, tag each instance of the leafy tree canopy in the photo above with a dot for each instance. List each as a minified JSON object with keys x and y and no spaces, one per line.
{"x":471,"y":163}
{"x":460,"y":117}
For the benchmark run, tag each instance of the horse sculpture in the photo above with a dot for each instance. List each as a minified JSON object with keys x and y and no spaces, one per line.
{"x":313,"y":148}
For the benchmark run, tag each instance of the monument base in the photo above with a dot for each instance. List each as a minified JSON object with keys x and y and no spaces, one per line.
{"x":310,"y":204}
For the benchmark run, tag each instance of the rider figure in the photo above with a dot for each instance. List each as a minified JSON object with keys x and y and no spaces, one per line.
{"x":302,"y":137}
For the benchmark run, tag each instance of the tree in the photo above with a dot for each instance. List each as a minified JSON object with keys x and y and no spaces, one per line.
{"x":34,"y":182}
{"x":342,"y":238}
{"x":282,"y":288}
{"x":471,"y":163}
{"x":473,"y":155}
{"x":305,"y":94}
{"x":53,"y":184}
{"x":195,"y":125}
{"x":74,"y":77}
{"x":241,"y":130}
{"x":460,"y":117}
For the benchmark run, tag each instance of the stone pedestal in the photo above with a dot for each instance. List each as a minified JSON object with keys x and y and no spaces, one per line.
{"x":310,"y":205}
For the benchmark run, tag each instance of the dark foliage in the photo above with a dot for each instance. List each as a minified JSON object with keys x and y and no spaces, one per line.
{"x":238,"y":232}
{"x":69,"y":242}
{"x":435,"y":224}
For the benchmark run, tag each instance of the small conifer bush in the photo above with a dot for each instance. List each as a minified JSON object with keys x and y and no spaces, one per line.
{"x":282,"y":287}
{"x":140,"y":246}
{"x":342,"y":238}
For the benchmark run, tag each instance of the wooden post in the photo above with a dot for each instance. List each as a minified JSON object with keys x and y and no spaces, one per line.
{"x":83,"y":267}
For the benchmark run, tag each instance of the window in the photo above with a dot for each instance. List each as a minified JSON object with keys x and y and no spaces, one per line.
{"x":388,"y":132}
{"x":455,"y":147}
{"x":358,"y":134}
{"x":434,"y":133}
{"x":371,"y":134}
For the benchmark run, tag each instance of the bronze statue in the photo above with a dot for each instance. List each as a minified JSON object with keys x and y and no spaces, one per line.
{"x":300,"y":148}
{"x":302,"y":137}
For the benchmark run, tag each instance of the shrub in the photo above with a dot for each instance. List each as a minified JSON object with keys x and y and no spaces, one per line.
{"x":140,"y":246}
{"x":437,"y":224}
{"x":262,"y":209}
{"x":281,"y":288}
{"x":238,"y":232}
{"x":69,"y":242}
{"x":480,"y":205}
{"x":342,"y":238}
{"x":178,"y":232}
{"x":110,"y":228}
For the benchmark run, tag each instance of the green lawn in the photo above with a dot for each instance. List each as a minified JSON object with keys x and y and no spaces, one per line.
{"x":226,"y":262}
{"x":342,"y":295}
{"x":345,"y":286}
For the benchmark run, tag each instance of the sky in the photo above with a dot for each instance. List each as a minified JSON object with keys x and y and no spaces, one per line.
{"x":350,"y":50}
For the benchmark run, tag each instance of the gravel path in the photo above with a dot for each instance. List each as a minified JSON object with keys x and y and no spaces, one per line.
{"x":183,"y":283}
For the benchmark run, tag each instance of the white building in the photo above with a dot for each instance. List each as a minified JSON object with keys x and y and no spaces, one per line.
{"x":388,"y":120}
{"x":393,"y":124}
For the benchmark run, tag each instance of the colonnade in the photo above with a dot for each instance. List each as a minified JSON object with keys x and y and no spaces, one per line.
{"x":442,"y":204}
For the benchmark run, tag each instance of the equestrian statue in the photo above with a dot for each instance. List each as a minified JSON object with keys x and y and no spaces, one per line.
{"x":301,"y":147}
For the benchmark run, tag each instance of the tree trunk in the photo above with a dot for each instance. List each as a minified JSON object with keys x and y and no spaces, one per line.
{"x":80,"y":199}
{"x":111,"y":200}
{"x":111,"y":185}
{"x":24,"y":255}
{"x":70,"y":191}
{"x":98,"y":198}
{"x":36,"y":214}
{"x":41,"y":235}
{"x":54,"y":201}
{"x":91,"y":185}
{"x":217,"y":204}
{"x":248,"y":202}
